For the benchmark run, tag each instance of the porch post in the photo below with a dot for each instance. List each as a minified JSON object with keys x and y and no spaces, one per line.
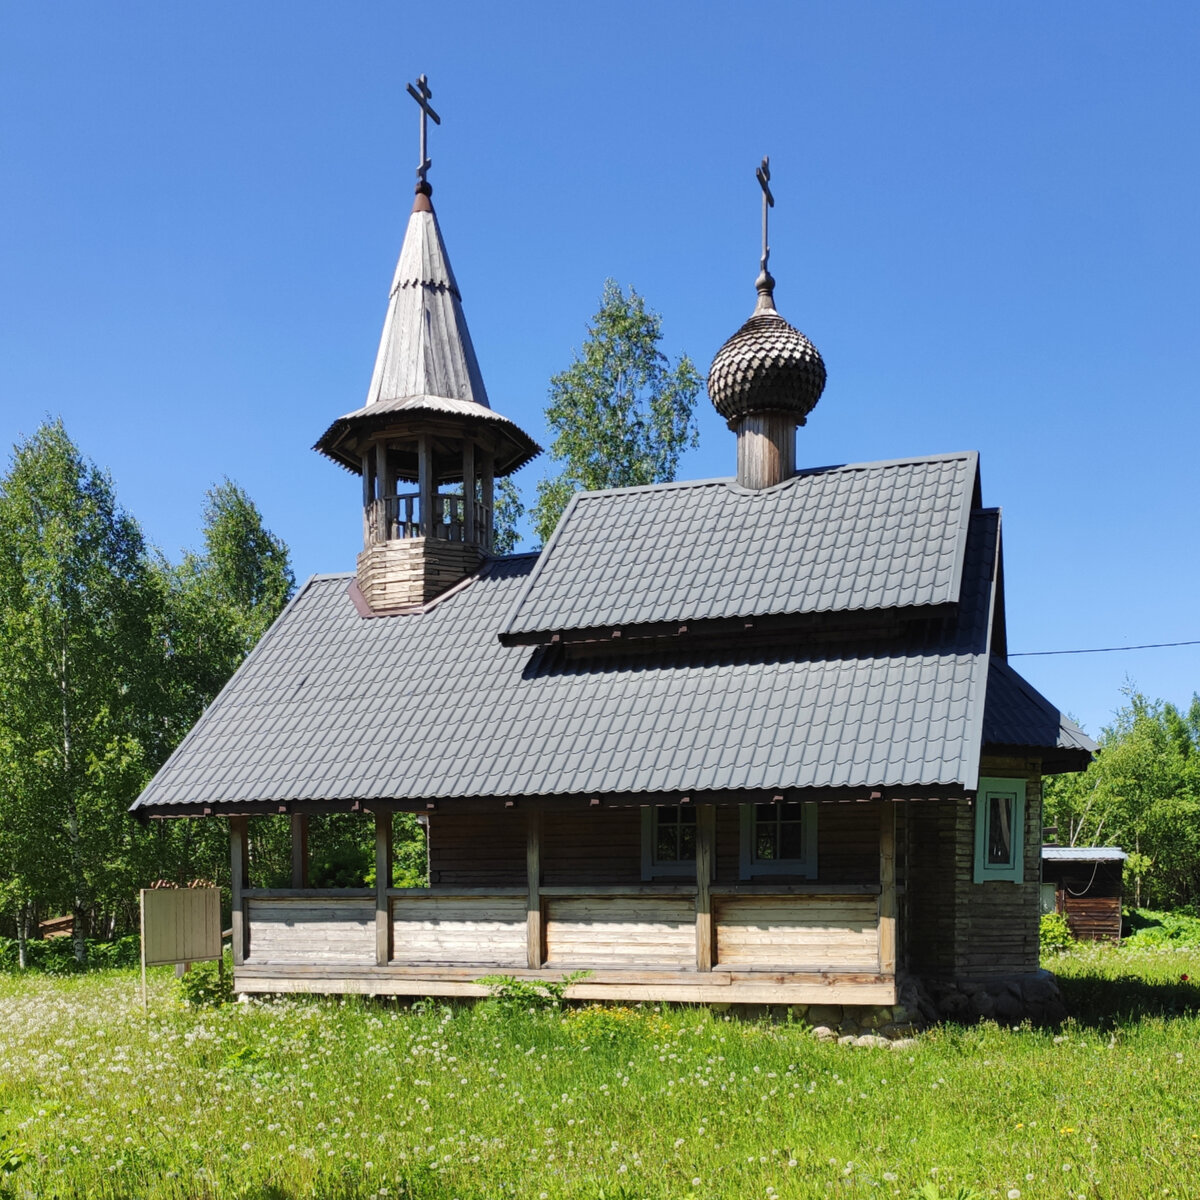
{"x":238,"y":873}
{"x":299,"y":850}
{"x":535,"y":936}
{"x":383,"y":881}
{"x":469,"y":492}
{"x":705,"y":836}
{"x":887,"y":889}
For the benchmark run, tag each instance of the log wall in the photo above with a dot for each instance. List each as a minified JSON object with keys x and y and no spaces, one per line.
{"x":629,"y":931}
{"x":489,"y":930}
{"x":798,"y":933}
{"x":325,"y":929}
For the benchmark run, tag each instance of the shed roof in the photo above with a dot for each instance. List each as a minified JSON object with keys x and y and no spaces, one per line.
{"x":885,"y":535}
{"x":301,"y":719}
{"x":1083,"y":854}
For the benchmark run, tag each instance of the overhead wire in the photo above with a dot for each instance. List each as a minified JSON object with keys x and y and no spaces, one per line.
{"x":1102,"y":649}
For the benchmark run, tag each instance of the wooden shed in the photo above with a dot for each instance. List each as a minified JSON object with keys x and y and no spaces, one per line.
{"x":750,"y":739}
{"x":1084,"y":884}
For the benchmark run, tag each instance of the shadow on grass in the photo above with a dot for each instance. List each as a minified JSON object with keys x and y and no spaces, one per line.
{"x":1105,"y":1001}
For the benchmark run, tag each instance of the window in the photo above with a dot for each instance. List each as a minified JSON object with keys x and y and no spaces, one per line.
{"x":668,"y":840}
{"x":779,"y":839}
{"x":999,"y":829}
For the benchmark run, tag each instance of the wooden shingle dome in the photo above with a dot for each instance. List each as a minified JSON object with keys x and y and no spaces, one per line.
{"x":767,"y":366}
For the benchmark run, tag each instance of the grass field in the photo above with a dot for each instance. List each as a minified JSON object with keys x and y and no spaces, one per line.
{"x":304,"y":1098}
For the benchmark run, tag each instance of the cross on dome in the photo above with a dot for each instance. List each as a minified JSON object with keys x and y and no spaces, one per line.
{"x":422,"y":94}
{"x":763,"y":175}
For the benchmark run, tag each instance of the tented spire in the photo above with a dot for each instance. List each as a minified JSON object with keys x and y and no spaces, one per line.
{"x":425,"y":349}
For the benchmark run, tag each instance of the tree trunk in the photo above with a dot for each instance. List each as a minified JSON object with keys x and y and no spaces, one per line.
{"x":23,"y":936}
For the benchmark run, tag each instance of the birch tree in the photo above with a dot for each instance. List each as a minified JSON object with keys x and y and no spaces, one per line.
{"x":621,"y":413}
{"x":75,"y":607}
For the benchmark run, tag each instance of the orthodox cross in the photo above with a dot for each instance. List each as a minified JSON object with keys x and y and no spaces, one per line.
{"x":763,"y":175}
{"x":421,"y":94}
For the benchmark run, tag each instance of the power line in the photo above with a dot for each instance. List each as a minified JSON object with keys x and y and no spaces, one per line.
{"x":1103,"y":649}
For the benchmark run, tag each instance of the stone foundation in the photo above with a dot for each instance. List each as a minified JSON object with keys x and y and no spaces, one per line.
{"x":1008,"y":1000}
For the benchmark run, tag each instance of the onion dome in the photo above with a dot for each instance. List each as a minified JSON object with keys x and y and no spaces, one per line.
{"x":767,"y":366}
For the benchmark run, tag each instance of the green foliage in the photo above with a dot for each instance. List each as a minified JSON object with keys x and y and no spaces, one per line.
{"x":56,"y":956}
{"x":1054,"y":933}
{"x":207,"y":984}
{"x":76,"y":613}
{"x":507,"y":516}
{"x":529,"y":995}
{"x":1142,"y":793}
{"x":108,"y":655}
{"x":621,"y":414}
{"x":1147,"y":929}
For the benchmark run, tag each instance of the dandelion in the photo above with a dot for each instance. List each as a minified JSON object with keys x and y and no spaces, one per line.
{"x":695,"y":1182}
{"x":1013,"y":1194}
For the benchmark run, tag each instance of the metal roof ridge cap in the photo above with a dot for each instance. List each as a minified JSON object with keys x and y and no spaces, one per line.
{"x":973,"y":742}
{"x":670,"y":485}
{"x":964,"y":526}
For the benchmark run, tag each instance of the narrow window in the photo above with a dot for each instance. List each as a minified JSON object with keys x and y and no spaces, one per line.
{"x":668,"y":840}
{"x":779,"y":839}
{"x":999,"y":823}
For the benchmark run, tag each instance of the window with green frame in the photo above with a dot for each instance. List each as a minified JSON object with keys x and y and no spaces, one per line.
{"x":779,"y":839}
{"x":999,"y":830}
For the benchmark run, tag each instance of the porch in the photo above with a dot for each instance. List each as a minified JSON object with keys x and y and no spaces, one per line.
{"x":707,"y":939}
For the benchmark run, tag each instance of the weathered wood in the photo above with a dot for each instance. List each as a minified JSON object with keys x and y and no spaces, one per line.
{"x":816,"y":992}
{"x":314,"y":894}
{"x":535,"y":934}
{"x":239,"y":869}
{"x":594,"y":892}
{"x":487,"y":479}
{"x":796,"y":932}
{"x":311,"y":930}
{"x":426,"y":482}
{"x":469,"y":490}
{"x":705,"y":858}
{"x":451,"y":890}
{"x":887,"y":894}
{"x":451,"y":931}
{"x":383,"y":881}
{"x":766,"y":449}
{"x":299,"y":850}
{"x":658,"y":931}
{"x":795,"y":889}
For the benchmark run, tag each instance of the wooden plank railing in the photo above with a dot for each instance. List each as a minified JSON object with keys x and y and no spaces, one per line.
{"x":391,"y":518}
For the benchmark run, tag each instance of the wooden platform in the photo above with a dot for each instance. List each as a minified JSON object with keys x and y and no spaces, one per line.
{"x":720,"y":986}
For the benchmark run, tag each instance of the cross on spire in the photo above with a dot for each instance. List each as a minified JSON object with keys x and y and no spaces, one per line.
{"x":763,"y":175}
{"x":422,"y":94}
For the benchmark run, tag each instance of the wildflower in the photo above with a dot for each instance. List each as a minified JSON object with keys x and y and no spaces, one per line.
{"x":1013,"y":1194}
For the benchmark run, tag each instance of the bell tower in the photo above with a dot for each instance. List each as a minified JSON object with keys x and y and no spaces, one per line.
{"x":427,"y":444}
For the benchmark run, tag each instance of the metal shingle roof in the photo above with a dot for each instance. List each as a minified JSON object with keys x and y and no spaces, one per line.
{"x":857,"y":537}
{"x":428,"y":706}
{"x":1018,"y":715}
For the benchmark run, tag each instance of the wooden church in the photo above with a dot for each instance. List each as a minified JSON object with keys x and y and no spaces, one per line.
{"x":745,"y":740}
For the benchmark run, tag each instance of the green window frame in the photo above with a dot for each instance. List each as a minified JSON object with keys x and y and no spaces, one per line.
{"x":778,"y":839}
{"x":1000,"y":831}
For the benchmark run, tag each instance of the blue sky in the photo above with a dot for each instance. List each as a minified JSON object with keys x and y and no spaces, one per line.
{"x":986,"y":222}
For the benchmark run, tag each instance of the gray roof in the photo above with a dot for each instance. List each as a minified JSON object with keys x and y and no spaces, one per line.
{"x":431,"y":706}
{"x":837,"y":539}
{"x":1083,"y":854}
{"x":1017,"y":715}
